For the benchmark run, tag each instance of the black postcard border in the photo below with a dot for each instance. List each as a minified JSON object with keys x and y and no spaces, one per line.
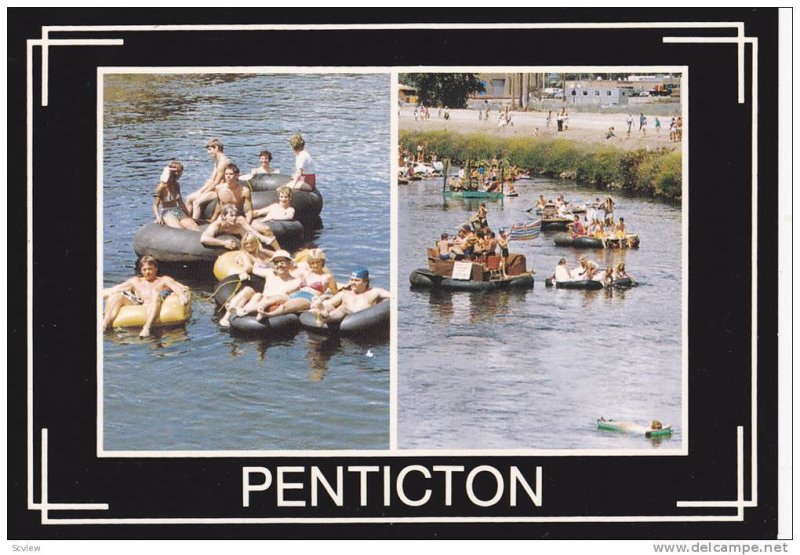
{"x":601,"y":488}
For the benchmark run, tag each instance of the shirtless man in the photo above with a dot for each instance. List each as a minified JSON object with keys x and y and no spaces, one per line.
{"x":206,"y":194}
{"x":230,"y":223}
{"x":444,"y":246}
{"x":281,"y":210}
{"x":232,"y":193}
{"x":356,"y":297}
{"x":147,"y":289}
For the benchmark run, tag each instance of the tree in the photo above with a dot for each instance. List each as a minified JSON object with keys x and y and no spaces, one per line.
{"x":447,"y":89}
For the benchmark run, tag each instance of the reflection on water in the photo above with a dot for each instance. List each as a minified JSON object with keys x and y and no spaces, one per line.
{"x":450,"y":307}
{"x":534,"y":369}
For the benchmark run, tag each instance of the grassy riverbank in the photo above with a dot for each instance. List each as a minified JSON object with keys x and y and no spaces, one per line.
{"x":655,"y":172}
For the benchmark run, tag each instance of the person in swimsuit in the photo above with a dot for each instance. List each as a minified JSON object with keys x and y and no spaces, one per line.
{"x":265,"y":157}
{"x":304,"y":177}
{"x":608,"y":277}
{"x":576,"y":228}
{"x":491,"y":243}
{"x":619,"y":271}
{"x":253,"y":260}
{"x":230,"y":223}
{"x":281,"y":210}
{"x":315,"y":282}
{"x":149,"y":290}
{"x":279,"y":280}
{"x":586,"y":270}
{"x":168,"y":206}
{"x":502,"y":242}
{"x":561,"y":273}
{"x":622,"y":234}
{"x":232,"y":193}
{"x":443,"y":246}
{"x":205,"y":194}
{"x":356,"y":297}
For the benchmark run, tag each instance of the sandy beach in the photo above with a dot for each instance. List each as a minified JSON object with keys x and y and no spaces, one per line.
{"x":582,"y":126}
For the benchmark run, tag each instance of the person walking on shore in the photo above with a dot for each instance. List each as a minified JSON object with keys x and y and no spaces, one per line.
{"x":629,"y":121}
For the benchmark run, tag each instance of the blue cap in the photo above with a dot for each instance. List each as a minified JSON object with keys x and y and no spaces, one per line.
{"x":360,"y":273}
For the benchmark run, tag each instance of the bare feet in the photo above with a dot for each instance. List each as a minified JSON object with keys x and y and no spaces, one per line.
{"x":260,"y":315}
{"x":145,"y":332}
{"x":278,"y":311}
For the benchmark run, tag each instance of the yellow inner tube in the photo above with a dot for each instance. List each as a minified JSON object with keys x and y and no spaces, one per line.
{"x":226,"y":265}
{"x":173,"y":313}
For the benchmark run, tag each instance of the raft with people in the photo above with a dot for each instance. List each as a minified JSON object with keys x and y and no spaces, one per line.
{"x":422,"y":277}
{"x":588,"y":276}
{"x":479,"y":274}
{"x":554,"y":219}
{"x":468,"y":187}
{"x":588,"y":284}
{"x":631,"y":241}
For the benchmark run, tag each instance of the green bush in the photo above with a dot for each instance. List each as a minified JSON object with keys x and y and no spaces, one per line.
{"x":656,"y":173}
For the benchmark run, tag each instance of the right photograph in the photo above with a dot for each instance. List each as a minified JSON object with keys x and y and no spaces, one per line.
{"x":543,"y":261}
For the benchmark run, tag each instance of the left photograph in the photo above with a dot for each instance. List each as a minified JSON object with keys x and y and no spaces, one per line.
{"x":244,"y":261}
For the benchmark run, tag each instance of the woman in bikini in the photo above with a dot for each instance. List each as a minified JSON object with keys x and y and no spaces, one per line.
{"x":168,"y":205}
{"x":253,"y":260}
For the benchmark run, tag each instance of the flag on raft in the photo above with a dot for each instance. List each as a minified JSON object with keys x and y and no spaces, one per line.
{"x":523,"y":232}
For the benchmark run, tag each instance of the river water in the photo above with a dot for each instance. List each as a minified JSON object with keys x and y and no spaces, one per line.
{"x":199,"y":388}
{"x":535,"y":369}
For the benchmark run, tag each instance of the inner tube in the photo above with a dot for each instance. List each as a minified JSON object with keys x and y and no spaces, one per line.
{"x":226,"y":265}
{"x":268,"y":181}
{"x":622,"y":283}
{"x":586,"y":284}
{"x":372,"y":322}
{"x":275,"y":326}
{"x":173,"y":313}
{"x":307,"y":205}
{"x":553,"y":224}
{"x":168,"y":244}
{"x":231,"y":285}
{"x":586,"y":242}
{"x":423,"y":277}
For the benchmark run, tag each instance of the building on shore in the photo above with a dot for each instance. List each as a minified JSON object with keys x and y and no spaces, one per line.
{"x":600,"y":93}
{"x":406,"y":94}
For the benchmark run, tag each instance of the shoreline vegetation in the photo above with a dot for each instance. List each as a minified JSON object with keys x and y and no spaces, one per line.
{"x":646,"y":164}
{"x":655,"y":173}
